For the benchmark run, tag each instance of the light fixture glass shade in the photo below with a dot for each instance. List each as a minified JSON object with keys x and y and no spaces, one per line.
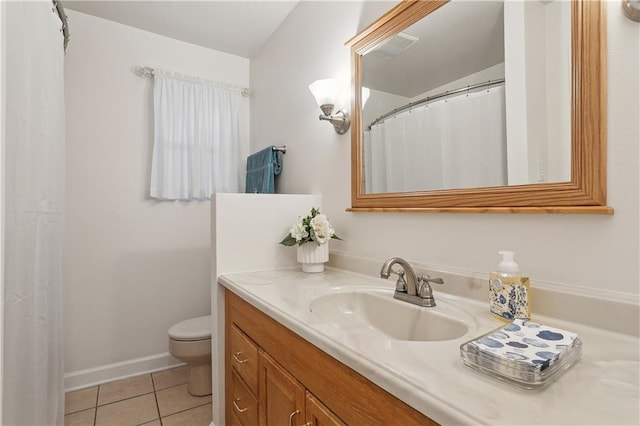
{"x":325,"y":91}
{"x":364,"y":97}
{"x":631,"y":9}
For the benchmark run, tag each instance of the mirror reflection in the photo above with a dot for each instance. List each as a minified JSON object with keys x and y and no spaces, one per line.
{"x":475,"y":94}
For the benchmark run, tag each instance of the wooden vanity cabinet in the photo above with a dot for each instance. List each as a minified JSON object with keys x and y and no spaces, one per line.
{"x":295,"y":382}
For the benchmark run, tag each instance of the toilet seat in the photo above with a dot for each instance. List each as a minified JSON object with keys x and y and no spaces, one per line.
{"x":192,"y":329}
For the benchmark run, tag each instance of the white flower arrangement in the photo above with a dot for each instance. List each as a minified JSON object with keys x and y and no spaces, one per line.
{"x":314,"y":227}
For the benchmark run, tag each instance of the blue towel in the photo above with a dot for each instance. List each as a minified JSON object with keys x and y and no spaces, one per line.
{"x":262,"y":168}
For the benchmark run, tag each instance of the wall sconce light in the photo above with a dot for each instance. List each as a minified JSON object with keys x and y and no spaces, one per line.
{"x":631,"y":9}
{"x":327,"y":92}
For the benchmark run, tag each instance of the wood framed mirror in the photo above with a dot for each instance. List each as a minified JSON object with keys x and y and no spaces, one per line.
{"x":584,"y":189}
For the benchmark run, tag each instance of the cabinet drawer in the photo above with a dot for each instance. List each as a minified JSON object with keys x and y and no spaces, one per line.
{"x":244,"y":358}
{"x":243,"y":404}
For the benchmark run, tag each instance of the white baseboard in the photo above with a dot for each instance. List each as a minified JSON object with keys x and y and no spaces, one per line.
{"x":121,"y":370}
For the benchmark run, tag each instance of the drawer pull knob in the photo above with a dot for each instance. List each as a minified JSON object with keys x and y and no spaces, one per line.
{"x":292,"y":416}
{"x":238,"y":360}
{"x":235,"y":405}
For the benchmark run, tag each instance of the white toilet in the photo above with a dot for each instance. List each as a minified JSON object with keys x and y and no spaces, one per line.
{"x":190,"y":341}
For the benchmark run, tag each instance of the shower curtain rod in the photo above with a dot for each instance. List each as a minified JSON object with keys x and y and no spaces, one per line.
{"x":411,"y":105}
{"x":150,"y":72}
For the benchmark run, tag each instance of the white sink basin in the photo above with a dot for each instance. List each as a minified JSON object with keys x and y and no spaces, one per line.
{"x":376,"y":310}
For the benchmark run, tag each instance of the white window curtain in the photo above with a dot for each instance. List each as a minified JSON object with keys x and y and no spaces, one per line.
{"x":459,"y":142}
{"x":33,"y":387}
{"x":196,"y":149}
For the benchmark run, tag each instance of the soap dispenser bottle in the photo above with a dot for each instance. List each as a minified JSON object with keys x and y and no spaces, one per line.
{"x":509,"y":290}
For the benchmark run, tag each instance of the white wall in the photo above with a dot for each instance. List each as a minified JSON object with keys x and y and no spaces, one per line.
{"x":133,"y":266}
{"x":558,"y":80}
{"x":536,"y":85}
{"x":576,"y":253}
{"x":516,"y":92}
{"x":548,"y":90}
{"x":538,"y":94}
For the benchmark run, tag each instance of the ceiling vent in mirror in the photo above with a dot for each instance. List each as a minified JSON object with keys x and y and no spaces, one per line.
{"x":392,"y":47}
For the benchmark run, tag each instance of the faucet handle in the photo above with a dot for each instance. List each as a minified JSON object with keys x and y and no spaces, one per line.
{"x":425,"y":291}
{"x":427,"y":279}
{"x":401,"y":284}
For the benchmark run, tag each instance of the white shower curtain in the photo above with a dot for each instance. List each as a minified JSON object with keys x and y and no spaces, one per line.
{"x":459,"y":142}
{"x":196,"y":149}
{"x":34,"y":200}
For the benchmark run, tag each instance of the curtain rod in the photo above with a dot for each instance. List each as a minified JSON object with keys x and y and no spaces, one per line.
{"x":411,"y":105}
{"x":150,"y":72}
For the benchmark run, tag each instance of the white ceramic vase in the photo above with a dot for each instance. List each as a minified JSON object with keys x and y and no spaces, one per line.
{"x":313,"y":257}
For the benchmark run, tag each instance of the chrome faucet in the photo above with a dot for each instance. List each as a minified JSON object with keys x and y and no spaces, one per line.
{"x":413,"y":289}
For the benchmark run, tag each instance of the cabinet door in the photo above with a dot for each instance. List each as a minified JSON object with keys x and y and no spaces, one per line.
{"x":233,"y":420}
{"x":281,"y":397}
{"x":318,"y":414}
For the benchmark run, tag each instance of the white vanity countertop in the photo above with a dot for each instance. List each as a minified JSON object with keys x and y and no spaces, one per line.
{"x":602,"y":388}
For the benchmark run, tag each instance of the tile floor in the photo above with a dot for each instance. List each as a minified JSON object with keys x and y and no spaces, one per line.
{"x":157,"y":399}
